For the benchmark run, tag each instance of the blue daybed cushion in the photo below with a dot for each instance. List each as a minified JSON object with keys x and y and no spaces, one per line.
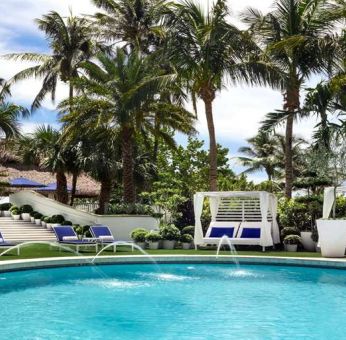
{"x":251,"y":233}
{"x":219,"y":232}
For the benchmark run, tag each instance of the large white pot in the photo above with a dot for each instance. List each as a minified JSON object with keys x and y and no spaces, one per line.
{"x":6,"y":213}
{"x":16,"y":217}
{"x":44,"y":224}
{"x":32,"y":219}
{"x":307,"y":241}
{"x":141,"y":244}
{"x":332,"y":237}
{"x":26,"y":216}
{"x":186,"y":246}
{"x":291,"y":247}
{"x":168,"y":244}
{"x":153,"y":245}
{"x":38,"y":222}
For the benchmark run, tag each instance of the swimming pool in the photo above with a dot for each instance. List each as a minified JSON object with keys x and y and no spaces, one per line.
{"x":186,"y":301}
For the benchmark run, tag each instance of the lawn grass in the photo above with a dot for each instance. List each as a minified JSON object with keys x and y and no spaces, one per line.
{"x":40,"y":251}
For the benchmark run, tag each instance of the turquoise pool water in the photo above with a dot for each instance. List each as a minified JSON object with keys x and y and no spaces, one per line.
{"x":175,"y":302}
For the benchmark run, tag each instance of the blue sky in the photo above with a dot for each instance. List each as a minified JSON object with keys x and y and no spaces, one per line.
{"x":237,"y":110}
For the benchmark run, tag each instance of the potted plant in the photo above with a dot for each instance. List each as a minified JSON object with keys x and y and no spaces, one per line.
{"x":43,"y":221}
{"x":15,"y":213}
{"x":5,"y":209}
{"x":139,"y":235}
{"x":291,"y":242}
{"x":170,"y":235}
{"x":57,"y":220}
{"x":47,"y":220}
{"x":37,"y":218}
{"x":289,"y":231}
{"x":190,"y":229}
{"x":32,"y":216}
{"x":186,"y":241}
{"x":153,"y":238}
{"x":25,"y":211}
{"x":331,"y":163}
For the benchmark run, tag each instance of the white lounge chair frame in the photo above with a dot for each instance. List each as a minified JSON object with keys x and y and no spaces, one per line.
{"x":248,"y":207}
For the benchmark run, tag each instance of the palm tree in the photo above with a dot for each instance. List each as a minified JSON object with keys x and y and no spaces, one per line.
{"x":70,"y":41}
{"x":295,"y":36}
{"x":121,"y":92}
{"x":137,"y":23}
{"x":207,"y":51}
{"x":43,"y":148}
{"x":260,"y":154}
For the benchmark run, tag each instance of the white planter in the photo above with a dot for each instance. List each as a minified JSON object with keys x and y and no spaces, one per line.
{"x":332,"y":237}
{"x":168,"y":244}
{"x":32,"y":219}
{"x":153,"y":245}
{"x":291,"y":247}
{"x":55,"y":224}
{"x":44,"y":224}
{"x":49,"y":226}
{"x":6,"y":213}
{"x":38,"y":222}
{"x":141,"y":244}
{"x":307,"y":241}
{"x":26,"y":216}
{"x":16,"y":217}
{"x":186,"y":245}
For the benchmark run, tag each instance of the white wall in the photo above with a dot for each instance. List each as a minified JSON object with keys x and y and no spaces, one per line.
{"x":120,"y":225}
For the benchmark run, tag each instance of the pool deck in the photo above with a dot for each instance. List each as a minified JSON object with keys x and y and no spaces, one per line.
{"x":27,"y":264}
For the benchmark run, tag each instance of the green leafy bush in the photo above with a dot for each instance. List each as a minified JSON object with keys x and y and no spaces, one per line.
{"x":130,"y":209}
{"x":139,"y":234}
{"x":170,"y":232}
{"x":289,"y":231}
{"x":5,"y":206}
{"x":47,"y":219}
{"x":153,"y":236}
{"x":37,"y":216}
{"x":189,"y":230}
{"x":186,"y":238}
{"x":13,"y":207}
{"x":68,"y":223}
{"x":15,"y":211}
{"x":32,"y":214}
{"x":57,"y":219}
{"x":292,"y":239}
{"x":26,"y":209}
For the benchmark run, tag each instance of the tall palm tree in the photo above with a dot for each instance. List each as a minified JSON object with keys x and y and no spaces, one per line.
{"x":295,"y":35}
{"x":71,"y":44}
{"x":207,"y":52}
{"x":122,"y":92}
{"x":137,"y":23}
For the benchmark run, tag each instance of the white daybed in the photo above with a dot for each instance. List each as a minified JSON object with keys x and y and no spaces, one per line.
{"x":246,"y":218}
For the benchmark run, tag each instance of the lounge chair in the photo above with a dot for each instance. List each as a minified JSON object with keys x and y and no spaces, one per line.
{"x":217,"y":230}
{"x":66,"y":235}
{"x":104,"y":236}
{"x":4,"y":244}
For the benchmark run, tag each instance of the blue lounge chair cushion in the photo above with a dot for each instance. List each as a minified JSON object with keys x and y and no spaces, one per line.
{"x":219,"y":232}
{"x":251,"y":233}
{"x":100,"y":230}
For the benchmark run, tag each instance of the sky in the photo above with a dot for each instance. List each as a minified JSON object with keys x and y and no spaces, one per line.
{"x":238,"y":110}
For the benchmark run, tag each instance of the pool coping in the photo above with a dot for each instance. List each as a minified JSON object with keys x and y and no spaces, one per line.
{"x":40,"y":263}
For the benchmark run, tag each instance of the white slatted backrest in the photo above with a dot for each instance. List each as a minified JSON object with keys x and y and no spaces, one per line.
{"x":240,"y":209}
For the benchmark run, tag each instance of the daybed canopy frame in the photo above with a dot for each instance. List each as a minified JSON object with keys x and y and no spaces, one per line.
{"x":268,"y":213}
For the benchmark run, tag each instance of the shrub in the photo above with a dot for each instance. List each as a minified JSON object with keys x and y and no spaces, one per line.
{"x":57,"y":219}
{"x":32,"y":214}
{"x":130,"y":209}
{"x":289,"y":231}
{"x":68,"y":223}
{"x":292,"y":239}
{"x":294,"y":214}
{"x":47,"y":219}
{"x":86,"y":231}
{"x":188,"y":230}
{"x":13,"y":207}
{"x":139,"y":234}
{"x":314,"y":235}
{"x":186,"y":238}
{"x":26,"y":209}
{"x":37,"y":216}
{"x":153,"y":236}
{"x":5,"y":206}
{"x":170,"y":232}
{"x":78,"y":229}
{"x":15,"y":211}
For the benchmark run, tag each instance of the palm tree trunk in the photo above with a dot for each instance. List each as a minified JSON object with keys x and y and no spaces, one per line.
{"x":61,"y":187}
{"x":74,"y":187}
{"x":105,"y":195}
{"x":208,"y":96}
{"x":127,"y":159}
{"x":292,"y":105}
